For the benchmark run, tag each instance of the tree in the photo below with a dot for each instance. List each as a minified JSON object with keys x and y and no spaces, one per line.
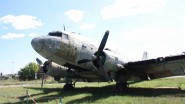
{"x":28,"y":72}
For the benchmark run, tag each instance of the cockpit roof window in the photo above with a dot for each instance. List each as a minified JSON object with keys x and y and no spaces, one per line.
{"x":57,"y":33}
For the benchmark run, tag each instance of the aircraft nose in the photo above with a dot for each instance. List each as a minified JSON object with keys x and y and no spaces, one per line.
{"x":37,"y":44}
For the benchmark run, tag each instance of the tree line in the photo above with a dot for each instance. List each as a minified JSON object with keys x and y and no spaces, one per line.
{"x":28,"y":72}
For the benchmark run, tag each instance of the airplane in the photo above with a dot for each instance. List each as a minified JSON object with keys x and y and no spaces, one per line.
{"x":72,"y":57}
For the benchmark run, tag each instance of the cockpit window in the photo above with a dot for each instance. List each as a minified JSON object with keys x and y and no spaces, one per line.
{"x":57,"y":33}
{"x":65,"y":36}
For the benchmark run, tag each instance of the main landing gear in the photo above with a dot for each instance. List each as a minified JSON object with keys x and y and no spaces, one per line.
{"x":121,"y":86}
{"x":69,"y":85}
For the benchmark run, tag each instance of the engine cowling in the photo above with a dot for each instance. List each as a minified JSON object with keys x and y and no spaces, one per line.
{"x":57,"y":71}
{"x":111,"y":61}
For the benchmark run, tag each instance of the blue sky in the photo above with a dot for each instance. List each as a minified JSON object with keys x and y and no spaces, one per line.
{"x":155,"y":26}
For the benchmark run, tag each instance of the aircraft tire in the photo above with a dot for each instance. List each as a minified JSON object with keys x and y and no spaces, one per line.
{"x":68,"y":87}
{"x":57,"y":78}
{"x":121,"y":86}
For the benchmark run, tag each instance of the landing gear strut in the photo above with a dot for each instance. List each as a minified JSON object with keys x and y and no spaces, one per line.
{"x":68,"y":85}
{"x":121,"y":86}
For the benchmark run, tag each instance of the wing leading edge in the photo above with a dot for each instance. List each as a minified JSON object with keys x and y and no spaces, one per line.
{"x":158,"y":68}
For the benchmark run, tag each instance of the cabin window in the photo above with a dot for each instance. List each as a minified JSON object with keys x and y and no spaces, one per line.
{"x":107,"y":49}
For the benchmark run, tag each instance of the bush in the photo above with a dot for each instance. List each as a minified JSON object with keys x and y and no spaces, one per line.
{"x":28,"y":72}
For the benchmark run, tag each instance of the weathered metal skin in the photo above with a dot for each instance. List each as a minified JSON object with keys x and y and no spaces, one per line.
{"x":58,"y":71}
{"x":112,"y":60}
{"x":67,"y":50}
{"x":62,"y":51}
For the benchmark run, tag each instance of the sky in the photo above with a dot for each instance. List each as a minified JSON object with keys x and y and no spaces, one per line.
{"x":155,"y":26}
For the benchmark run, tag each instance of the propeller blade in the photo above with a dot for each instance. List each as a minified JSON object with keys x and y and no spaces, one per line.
{"x":42,"y":80}
{"x":39,"y":61}
{"x":105,"y":74}
{"x":103,"y":42}
{"x":40,"y":65}
{"x":100,"y":50}
{"x":46,"y":66}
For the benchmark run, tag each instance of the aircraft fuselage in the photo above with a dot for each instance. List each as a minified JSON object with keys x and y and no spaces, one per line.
{"x":67,"y":49}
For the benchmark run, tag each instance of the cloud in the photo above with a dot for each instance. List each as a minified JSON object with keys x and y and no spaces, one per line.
{"x":161,"y":41}
{"x":32,"y":35}
{"x":86,"y":26}
{"x":122,"y":8}
{"x":21,"y":22}
{"x":152,"y":34}
{"x":12,"y":36}
{"x":75,"y":15}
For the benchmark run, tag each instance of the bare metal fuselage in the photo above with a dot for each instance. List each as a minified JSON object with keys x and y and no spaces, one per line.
{"x":77,"y":57}
{"x":68,"y":50}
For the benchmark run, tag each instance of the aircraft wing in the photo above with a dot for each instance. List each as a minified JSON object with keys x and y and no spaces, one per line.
{"x":158,"y":68}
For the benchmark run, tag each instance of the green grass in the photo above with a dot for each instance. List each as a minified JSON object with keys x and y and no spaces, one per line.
{"x":17,"y":82}
{"x":145,"y":92}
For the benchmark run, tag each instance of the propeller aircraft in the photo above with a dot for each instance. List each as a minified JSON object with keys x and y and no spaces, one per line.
{"x":70,"y":56}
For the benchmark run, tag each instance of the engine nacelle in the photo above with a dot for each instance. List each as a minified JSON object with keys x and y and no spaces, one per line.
{"x":111,"y":61}
{"x":57,"y":71}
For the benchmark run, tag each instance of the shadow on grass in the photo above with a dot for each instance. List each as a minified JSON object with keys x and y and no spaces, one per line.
{"x":97,"y":93}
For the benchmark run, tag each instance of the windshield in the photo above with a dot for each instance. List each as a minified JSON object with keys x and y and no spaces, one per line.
{"x":57,"y":33}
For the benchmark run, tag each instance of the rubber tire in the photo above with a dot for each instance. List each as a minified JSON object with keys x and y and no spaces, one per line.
{"x":121,"y":86}
{"x":68,"y":87}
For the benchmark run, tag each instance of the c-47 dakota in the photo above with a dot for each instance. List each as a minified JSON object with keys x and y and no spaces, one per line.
{"x":70,"y":56}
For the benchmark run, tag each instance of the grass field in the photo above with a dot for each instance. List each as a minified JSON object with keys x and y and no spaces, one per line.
{"x":160,"y":91}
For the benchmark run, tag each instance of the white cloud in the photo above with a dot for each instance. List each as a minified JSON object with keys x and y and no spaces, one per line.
{"x":158,"y":41}
{"x":21,"y":22}
{"x":12,"y":36}
{"x":32,"y":35}
{"x":75,"y":15}
{"x":122,"y":8}
{"x":154,"y":34}
{"x":86,"y":26}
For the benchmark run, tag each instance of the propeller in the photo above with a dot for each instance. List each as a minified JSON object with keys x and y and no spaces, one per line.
{"x":97,"y":57}
{"x":102,"y":44}
{"x":43,"y":69}
{"x":39,"y":61}
{"x":99,"y":52}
